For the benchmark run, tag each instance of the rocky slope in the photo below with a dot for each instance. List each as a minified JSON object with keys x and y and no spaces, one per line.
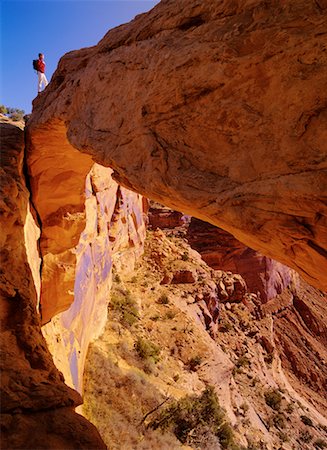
{"x":164,"y":341}
{"x":214,"y":108}
{"x":37,"y":408}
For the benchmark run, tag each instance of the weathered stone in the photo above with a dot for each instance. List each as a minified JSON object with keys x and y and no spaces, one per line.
{"x":231,"y":129}
{"x":184,"y":276}
{"x":222,"y":251}
{"x":32,"y":389}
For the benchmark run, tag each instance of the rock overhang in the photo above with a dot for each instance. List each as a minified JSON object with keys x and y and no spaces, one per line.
{"x":223,"y":118}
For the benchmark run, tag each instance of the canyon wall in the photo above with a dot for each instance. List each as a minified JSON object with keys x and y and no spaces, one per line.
{"x":220,"y":250}
{"x":37,"y":408}
{"x":114,"y":234}
{"x":217,"y":109}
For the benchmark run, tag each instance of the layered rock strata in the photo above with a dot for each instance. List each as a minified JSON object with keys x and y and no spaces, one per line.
{"x":217,"y":109}
{"x":32,"y":389}
{"x":220,"y":250}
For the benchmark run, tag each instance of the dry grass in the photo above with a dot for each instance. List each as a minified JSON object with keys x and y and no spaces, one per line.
{"x":116,"y":401}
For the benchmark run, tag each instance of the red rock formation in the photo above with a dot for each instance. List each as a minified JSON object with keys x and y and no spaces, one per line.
{"x":162,"y":217}
{"x":32,"y":389}
{"x":217,"y":109}
{"x":220,"y":250}
{"x":301,"y":338}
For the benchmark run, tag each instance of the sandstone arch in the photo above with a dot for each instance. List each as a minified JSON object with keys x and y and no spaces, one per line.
{"x":215,"y":108}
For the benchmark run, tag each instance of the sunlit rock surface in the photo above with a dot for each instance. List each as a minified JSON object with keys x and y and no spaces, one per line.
{"x":114,"y":229}
{"x":37,"y":408}
{"x":217,"y":109}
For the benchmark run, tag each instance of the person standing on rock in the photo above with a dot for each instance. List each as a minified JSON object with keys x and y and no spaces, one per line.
{"x":41,"y":78}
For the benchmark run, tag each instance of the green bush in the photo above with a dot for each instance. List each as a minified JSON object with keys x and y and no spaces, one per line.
{"x":290,"y":408}
{"x":15,"y":114}
{"x":170,"y":315}
{"x":273,"y":399}
{"x":147,"y":349}
{"x":196,"y":419}
{"x":225,"y":327}
{"x":124,"y":307}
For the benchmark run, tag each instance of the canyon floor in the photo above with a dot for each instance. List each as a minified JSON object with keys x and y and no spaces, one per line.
{"x":162,"y":344}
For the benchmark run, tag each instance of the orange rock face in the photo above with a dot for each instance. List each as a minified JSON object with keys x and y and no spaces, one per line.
{"x":218,"y":109}
{"x":32,"y":389}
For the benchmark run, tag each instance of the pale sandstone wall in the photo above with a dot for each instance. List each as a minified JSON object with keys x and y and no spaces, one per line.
{"x":37,"y":408}
{"x":114,"y":229}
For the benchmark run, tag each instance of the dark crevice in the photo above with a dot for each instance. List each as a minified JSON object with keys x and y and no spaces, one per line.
{"x":191,"y":22}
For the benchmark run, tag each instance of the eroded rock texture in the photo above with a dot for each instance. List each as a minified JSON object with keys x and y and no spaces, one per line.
{"x":218,"y":109}
{"x":32,"y":389}
{"x":114,"y":234}
{"x":220,"y":250}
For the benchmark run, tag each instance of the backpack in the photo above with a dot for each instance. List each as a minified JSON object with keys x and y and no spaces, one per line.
{"x":35,"y":64}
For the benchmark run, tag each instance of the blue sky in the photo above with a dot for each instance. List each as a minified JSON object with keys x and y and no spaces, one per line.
{"x":53,"y":28}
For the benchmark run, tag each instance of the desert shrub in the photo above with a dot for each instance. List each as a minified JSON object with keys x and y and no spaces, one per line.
{"x":194,"y":362}
{"x":124,"y":307}
{"x":225,"y":327}
{"x":242,"y":361}
{"x":185,"y":256}
{"x":147,"y":349}
{"x":278,"y":420}
{"x":170,"y":315}
{"x":273,"y":399}
{"x":155,"y":318}
{"x":290,"y":408}
{"x":307,"y":421}
{"x":269,"y":358}
{"x":163,"y":299}
{"x":117,"y":278}
{"x":244,"y":407}
{"x":283,"y":436}
{"x":320,"y":443}
{"x":306,"y":437}
{"x":15,"y":114}
{"x":196,"y":420}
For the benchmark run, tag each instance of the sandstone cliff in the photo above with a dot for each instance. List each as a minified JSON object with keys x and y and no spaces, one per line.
{"x":219,"y":109}
{"x":114,"y":232}
{"x":220,"y":250}
{"x":37,"y":408}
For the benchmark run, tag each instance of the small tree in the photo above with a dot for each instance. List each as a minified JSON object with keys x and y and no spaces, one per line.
{"x":15,"y":114}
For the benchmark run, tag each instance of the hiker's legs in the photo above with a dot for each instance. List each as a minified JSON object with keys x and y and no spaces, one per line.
{"x":45,"y":80}
{"x":41,"y":79}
